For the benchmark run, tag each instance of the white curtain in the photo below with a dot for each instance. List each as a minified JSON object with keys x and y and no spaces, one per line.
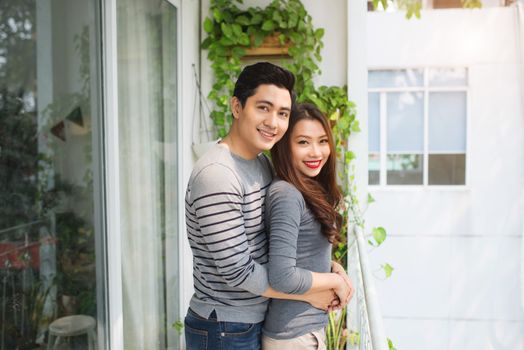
{"x":146,"y":120}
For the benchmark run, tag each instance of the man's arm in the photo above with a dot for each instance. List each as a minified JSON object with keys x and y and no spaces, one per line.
{"x":324,"y":299}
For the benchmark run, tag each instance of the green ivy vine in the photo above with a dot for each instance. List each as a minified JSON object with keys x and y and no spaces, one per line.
{"x":231,"y":31}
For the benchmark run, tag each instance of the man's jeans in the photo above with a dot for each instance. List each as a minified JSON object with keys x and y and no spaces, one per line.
{"x":210,"y":334}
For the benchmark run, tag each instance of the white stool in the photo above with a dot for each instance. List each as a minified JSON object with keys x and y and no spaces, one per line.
{"x":71,"y":326}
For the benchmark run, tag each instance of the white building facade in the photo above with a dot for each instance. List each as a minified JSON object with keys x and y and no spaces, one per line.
{"x":455,"y":242}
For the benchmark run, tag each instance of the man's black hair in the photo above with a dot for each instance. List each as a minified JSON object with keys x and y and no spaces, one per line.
{"x":263,"y":73}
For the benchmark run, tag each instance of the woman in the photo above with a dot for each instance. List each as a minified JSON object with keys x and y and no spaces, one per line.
{"x":303,"y":223}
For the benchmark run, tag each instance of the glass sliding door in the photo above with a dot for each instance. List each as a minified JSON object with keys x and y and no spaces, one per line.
{"x":147,"y":112}
{"x":51,"y":231}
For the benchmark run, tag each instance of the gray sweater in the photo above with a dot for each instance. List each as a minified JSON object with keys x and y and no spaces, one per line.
{"x":296,"y":247}
{"x":225,"y":228}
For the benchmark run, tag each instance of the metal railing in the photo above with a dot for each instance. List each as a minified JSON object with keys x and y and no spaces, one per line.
{"x":364,"y":312}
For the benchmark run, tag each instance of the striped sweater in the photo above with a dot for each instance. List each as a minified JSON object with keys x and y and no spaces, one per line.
{"x":225,"y":228}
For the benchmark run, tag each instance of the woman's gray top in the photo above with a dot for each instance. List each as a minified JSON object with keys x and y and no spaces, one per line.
{"x":296,"y":247}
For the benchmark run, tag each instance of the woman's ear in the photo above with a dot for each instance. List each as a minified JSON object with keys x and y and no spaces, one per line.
{"x":236,"y":107}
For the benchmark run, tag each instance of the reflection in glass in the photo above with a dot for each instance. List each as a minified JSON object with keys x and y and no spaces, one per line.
{"x":395,"y":78}
{"x":447,"y":76}
{"x":404,"y":169}
{"x":47,"y":234}
{"x":447,"y":169}
{"x":405,"y":122}
{"x":374,"y":169}
{"x":447,"y":122}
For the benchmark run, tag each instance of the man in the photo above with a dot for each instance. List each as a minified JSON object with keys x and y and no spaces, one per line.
{"x":224,"y":215}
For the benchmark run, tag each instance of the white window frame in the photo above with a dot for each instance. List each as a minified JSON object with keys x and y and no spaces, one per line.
{"x":114,"y":311}
{"x":425,"y":89}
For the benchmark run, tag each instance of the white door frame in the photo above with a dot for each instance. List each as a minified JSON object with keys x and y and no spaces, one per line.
{"x":188,"y":51}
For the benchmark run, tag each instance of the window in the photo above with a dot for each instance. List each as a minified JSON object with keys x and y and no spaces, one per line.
{"x":52,"y":261}
{"x":417,"y":126}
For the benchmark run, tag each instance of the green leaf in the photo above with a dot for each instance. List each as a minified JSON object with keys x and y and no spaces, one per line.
{"x":268,"y":25}
{"x":207,"y":41}
{"x":319,"y":33}
{"x":293,"y":20}
{"x":388,"y":269}
{"x":354,"y":338}
{"x":277,"y":17}
{"x":390,"y":345}
{"x":370,"y":199}
{"x":259,"y":38}
{"x":178,"y":326}
{"x":217,"y":15}
{"x":334,"y":115}
{"x":244,"y":40}
{"x":379,"y":234}
{"x":295,"y":37}
{"x":227,"y":30}
{"x":355,"y":127}
{"x":238,"y":51}
{"x":242,"y":20}
{"x":208,"y":25}
{"x":226,"y":41}
{"x":256,"y":19}
{"x":226,"y":15}
{"x":237,"y":29}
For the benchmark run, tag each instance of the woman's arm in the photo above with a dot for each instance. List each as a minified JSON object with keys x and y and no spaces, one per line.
{"x":285,"y":206}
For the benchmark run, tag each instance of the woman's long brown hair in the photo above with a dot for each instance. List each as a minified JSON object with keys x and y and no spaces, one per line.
{"x":321,"y":193}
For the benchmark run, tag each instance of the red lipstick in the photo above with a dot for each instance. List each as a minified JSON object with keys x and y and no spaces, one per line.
{"x":313,"y":164}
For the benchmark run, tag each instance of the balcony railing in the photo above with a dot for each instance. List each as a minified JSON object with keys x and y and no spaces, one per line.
{"x":364,"y":313}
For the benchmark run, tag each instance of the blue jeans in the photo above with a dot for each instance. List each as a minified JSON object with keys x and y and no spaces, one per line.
{"x":210,"y":334}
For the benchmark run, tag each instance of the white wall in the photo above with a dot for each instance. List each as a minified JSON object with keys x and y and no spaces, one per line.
{"x":332,"y":16}
{"x":457,"y":253}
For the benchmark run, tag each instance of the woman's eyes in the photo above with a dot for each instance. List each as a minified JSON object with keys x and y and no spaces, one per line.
{"x":305,"y":142}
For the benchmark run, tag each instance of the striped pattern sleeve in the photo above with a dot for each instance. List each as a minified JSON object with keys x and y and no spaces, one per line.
{"x":217,"y":230}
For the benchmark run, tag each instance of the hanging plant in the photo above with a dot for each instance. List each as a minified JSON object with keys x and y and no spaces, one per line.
{"x":232,"y":32}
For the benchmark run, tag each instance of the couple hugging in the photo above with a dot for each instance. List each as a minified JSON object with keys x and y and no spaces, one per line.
{"x":261,"y":232}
